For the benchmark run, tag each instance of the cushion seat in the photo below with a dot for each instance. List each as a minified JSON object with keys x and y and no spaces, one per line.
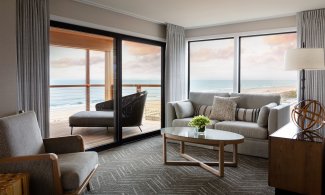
{"x":246,"y":129}
{"x":75,"y":167}
{"x":92,"y":119}
{"x":184,"y":123}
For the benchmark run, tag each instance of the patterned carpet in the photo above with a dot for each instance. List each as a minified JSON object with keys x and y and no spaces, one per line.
{"x":137,"y":168}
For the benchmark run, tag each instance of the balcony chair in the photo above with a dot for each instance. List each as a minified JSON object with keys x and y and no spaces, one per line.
{"x":55,"y":165}
{"x":132,"y":113}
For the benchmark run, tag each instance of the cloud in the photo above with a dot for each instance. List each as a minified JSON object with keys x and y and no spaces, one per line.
{"x":67,"y":62}
{"x":143,"y":67}
{"x":267,"y":59}
{"x":279,"y":40}
{"x":208,"y":54}
{"x":135,"y":48}
{"x":95,"y":59}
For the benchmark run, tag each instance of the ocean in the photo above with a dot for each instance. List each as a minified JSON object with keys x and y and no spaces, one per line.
{"x":64,"y":97}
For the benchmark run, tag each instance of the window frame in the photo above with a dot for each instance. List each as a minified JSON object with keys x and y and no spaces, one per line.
{"x":237,"y":54}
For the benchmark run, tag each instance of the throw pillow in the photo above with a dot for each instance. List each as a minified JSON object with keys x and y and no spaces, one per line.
{"x":224,"y":108}
{"x":184,"y":109}
{"x":204,"y":110}
{"x":263,"y":117}
{"x":249,"y":115}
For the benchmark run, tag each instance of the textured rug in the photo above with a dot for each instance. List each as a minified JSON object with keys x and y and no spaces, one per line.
{"x":137,"y":168}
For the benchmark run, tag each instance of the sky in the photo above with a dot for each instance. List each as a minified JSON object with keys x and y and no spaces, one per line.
{"x":262,"y":58}
{"x":140,"y":62}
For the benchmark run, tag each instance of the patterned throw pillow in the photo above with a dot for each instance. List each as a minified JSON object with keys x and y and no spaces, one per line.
{"x":249,"y":115}
{"x":204,"y":110}
{"x":224,"y":108}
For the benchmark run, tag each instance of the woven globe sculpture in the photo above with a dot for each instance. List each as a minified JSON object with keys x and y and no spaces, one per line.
{"x":309,"y":116}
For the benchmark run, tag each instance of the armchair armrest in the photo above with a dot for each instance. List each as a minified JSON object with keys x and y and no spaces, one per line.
{"x":278,"y":117}
{"x":62,"y":145}
{"x":170,"y":112}
{"x":43,"y":170}
{"x":107,"y":105}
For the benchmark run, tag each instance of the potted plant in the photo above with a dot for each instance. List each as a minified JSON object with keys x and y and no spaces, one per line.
{"x":199,"y":122}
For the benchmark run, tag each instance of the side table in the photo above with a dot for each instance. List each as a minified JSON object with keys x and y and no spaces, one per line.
{"x":14,"y":184}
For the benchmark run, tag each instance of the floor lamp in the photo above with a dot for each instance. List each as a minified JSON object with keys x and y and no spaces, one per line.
{"x":304,"y":59}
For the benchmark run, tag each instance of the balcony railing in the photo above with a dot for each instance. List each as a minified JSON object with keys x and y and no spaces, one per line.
{"x":138,"y":88}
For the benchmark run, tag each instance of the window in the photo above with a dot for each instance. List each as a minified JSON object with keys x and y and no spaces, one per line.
{"x":212,"y":65}
{"x":255,"y":66}
{"x":262,"y":67}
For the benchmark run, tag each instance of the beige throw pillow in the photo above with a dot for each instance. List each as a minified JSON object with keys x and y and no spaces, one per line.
{"x":184,"y":109}
{"x":263,"y":117}
{"x":224,"y":108}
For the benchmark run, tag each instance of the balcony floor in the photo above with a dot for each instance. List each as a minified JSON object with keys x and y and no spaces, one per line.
{"x":95,"y":136}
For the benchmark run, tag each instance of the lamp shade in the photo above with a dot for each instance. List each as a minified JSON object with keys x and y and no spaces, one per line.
{"x":304,"y":58}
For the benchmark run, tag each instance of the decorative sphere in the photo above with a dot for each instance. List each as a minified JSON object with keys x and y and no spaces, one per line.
{"x":308,"y":115}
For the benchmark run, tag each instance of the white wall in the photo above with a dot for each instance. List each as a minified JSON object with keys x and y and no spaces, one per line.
{"x":8,"y":62}
{"x":91,"y":16}
{"x":260,"y":25}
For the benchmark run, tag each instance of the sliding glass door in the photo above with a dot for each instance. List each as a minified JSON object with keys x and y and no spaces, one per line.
{"x":81,"y":75}
{"x":90,"y":66}
{"x":141,"y":88}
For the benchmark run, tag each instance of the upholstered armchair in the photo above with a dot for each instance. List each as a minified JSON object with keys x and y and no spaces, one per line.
{"x":55,"y":165}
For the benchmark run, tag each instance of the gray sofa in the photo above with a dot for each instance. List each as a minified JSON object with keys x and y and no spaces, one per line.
{"x":256,"y":137}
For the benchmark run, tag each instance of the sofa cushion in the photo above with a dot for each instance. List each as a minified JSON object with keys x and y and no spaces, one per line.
{"x":255,"y":100}
{"x":204,"y":110}
{"x":184,"y":123}
{"x":184,"y":109}
{"x":248,"y":115}
{"x":224,"y":108}
{"x":204,"y":98}
{"x":246,"y":129}
{"x":75,"y":167}
{"x":263,"y":117}
{"x":92,"y":119}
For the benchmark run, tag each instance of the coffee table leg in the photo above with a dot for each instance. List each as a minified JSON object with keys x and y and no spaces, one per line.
{"x":221,"y":159}
{"x":164,"y":149}
{"x":234,"y":155}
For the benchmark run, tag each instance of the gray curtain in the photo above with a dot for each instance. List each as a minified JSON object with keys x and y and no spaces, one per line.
{"x":175,"y":64}
{"x":33,"y":59}
{"x":311,"y":32}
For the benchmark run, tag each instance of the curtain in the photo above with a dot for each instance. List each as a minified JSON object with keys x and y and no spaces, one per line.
{"x":175,"y":64}
{"x":311,"y":33}
{"x":33,"y":59}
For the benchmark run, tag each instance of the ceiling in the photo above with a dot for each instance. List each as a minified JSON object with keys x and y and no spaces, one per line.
{"x":202,"y":13}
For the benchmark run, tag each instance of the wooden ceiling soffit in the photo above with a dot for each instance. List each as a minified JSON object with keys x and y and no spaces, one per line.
{"x":75,"y":39}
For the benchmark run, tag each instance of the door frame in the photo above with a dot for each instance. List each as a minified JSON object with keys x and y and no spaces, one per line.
{"x":118,"y":38}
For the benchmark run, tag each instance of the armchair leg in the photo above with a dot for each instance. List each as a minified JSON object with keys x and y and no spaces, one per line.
{"x":107,"y":129}
{"x":140,"y":128}
{"x":88,"y":187}
{"x":71,"y":130}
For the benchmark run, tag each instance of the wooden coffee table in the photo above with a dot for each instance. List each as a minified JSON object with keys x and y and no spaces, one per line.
{"x":211,"y":137}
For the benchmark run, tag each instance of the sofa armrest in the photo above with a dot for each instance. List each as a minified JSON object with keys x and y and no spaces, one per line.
{"x":62,"y":145}
{"x":170,"y":112}
{"x":43,"y":170}
{"x":278,"y":117}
